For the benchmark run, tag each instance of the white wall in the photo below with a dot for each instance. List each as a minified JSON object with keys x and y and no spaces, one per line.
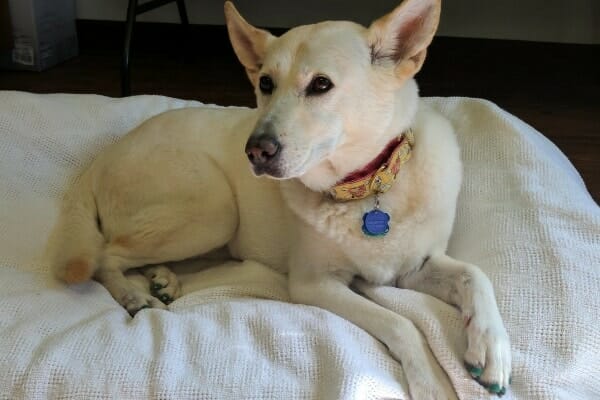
{"x":574,"y":21}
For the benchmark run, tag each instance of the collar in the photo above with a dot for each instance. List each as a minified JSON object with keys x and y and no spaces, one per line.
{"x":378,"y":175}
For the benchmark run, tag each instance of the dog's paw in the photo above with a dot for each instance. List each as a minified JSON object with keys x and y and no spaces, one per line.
{"x":488,"y":357}
{"x":135,"y":301}
{"x":164,"y":284}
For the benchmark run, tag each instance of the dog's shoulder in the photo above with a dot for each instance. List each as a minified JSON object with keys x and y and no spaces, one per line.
{"x":436,"y":152}
{"x":432,"y":130}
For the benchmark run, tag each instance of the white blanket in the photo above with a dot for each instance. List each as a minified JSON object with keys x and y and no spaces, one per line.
{"x":524,"y":216}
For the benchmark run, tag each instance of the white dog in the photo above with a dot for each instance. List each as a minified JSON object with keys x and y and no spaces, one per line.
{"x":366,"y":179}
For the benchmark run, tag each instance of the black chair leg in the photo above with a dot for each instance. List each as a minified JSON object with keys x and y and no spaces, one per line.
{"x":185,"y":30}
{"x":182,"y":13}
{"x":125,"y":66}
{"x":134,"y":9}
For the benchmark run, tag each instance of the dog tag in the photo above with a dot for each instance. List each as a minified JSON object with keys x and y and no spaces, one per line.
{"x":376,"y":223}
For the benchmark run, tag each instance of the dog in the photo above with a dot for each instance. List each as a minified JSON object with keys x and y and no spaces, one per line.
{"x":341,"y":172}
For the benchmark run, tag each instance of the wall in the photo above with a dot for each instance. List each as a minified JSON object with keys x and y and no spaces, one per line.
{"x":574,"y":21}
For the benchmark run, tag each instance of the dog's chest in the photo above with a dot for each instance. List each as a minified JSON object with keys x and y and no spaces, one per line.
{"x":379,"y":259}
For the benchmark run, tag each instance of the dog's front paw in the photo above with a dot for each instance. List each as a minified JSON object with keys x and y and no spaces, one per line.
{"x":137,"y":300}
{"x":488,"y":357}
{"x":164,"y":284}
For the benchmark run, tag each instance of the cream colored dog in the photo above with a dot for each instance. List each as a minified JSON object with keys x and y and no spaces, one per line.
{"x":333,"y":100}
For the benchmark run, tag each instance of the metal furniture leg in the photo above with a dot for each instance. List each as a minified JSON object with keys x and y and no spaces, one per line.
{"x":125,"y":62}
{"x":134,"y":9}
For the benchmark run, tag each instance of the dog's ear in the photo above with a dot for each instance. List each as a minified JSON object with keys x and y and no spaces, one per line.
{"x":403,"y":35}
{"x":249,"y":43}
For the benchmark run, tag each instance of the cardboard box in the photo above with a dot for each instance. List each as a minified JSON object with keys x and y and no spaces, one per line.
{"x":42,"y":33}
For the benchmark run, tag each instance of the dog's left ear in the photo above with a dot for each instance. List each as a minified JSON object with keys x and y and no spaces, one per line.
{"x":403,"y":35}
{"x":249,"y":43}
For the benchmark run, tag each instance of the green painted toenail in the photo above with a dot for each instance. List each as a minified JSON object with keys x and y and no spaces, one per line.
{"x":474,"y":371}
{"x":156,"y":286}
{"x":502,"y":392}
{"x":494,"y":388}
{"x":510,"y":380}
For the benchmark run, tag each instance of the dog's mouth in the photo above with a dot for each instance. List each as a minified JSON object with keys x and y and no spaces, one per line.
{"x":289,"y":161}
{"x":282,"y":171}
{"x":272,"y":171}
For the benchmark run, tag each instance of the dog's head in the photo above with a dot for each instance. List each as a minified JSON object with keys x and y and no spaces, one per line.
{"x":331,"y":95}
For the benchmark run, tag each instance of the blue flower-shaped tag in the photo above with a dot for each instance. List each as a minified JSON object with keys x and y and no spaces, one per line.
{"x":376,"y":223}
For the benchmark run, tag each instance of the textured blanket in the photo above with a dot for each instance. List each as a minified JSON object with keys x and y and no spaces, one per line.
{"x":524,"y":217}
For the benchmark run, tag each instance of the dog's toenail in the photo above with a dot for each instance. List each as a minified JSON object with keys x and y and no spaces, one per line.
{"x":156,"y":286}
{"x":474,"y":371}
{"x":494,"y":388}
{"x":510,"y":380}
{"x":502,"y":392}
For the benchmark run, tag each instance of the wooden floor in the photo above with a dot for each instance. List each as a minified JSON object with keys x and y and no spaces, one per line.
{"x":553,"y":87}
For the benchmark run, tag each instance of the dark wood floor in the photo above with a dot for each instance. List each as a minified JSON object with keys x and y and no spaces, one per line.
{"x":553,"y":87}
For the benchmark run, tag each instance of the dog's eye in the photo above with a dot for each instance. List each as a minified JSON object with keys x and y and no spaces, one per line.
{"x":319,"y":84}
{"x":266,"y":84}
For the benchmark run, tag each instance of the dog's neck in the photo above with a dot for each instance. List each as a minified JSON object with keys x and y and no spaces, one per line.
{"x":352,"y":157}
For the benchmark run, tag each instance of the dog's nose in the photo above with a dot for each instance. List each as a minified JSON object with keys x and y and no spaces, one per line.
{"x":263,"y":149}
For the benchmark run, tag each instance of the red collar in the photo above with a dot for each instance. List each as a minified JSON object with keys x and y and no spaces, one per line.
{"x":378,"y":175}
{"x":375,"y":164}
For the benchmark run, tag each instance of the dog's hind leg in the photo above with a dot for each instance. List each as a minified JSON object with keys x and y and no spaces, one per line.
{"x":156,"y":243}
{"x":458,"y":283}
{"x":125,"y":292}
{"x":191,"y":216}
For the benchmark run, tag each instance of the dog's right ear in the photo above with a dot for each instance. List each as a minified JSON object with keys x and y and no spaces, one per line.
{"x":249,"y":43}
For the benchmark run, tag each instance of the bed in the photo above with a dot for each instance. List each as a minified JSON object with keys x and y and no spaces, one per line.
{"x":525,"y":217}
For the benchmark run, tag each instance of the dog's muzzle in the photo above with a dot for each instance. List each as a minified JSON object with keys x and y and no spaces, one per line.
{"x":263,"y":151}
